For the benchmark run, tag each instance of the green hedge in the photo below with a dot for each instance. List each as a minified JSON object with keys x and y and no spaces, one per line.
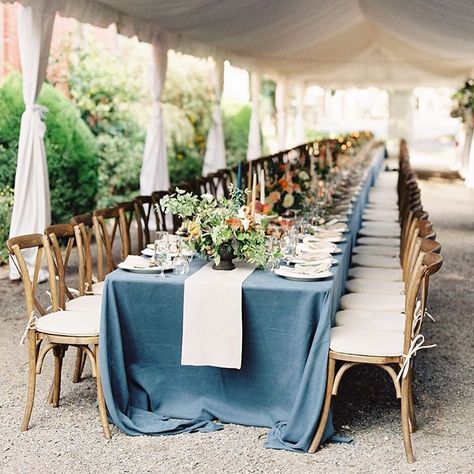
{"x":71,"y":150}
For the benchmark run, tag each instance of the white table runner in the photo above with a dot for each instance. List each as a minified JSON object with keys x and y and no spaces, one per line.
{"x":212,"y":317}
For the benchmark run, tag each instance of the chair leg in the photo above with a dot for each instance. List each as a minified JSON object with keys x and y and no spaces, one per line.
{"x":100,"y":398}
{"x":58,"y":352}
{"x":326,"y":407}
{"x":78,"y":366}
{"x":31,"y":381}
{"x":406,"y":420}
{"x":411,"y":403}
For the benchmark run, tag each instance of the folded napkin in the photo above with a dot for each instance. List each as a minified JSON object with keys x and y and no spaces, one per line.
{"x":212,"y":317}
{"x":312,"y":269}
{"x":135,"y":261}
{"x":312,"y":256}
{"x":309,"y":246}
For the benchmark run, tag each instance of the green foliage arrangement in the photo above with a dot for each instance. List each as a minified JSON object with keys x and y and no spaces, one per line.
{"x":6,"y":204}
{"x":70,"y":149}
{"x":212,"y":225}
{"x":463,"y":99}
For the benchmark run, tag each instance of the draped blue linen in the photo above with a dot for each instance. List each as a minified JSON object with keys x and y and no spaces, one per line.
{"x":281,"y":384}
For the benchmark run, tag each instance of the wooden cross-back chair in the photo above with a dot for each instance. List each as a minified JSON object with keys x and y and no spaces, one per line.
{"x":106,"y":222}
{"x":54,"y":331}
{"x":390,"y":350}
{"x":145,"y":212}
{"x":133,"y":216}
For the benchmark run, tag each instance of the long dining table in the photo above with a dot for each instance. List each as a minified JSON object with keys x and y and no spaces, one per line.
{"x":281,"y":384}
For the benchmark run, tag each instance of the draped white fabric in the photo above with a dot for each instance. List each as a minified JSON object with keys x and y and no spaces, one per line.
{"x":466,"y":150}
{"x":154,"y":174}
{"x":400,"y":121}
{"x":254,"y":147}
{"x":31,"y":209}
{"x":300,"y":132}
{"x":281,"y":104}
{"x":335,"y":43}
{"x":214,"y":159}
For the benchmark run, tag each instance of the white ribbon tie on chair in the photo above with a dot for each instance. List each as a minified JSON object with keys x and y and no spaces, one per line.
{"x":415,"y":346}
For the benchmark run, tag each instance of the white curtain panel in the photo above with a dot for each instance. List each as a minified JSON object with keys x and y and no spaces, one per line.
{"x":254,"y":147}
{"x":32,"y":208}
{"x":154,"y":174}
{"x":300,"y":131}
{"x":281,"y":103}
{"x":390,"y":43}
{"x":400,"y":120}
{"x":214,"y":159}
{"x":466,"y":151}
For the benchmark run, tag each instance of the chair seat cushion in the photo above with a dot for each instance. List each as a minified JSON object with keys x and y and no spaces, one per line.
{"x":92,"y":303}
{"x":379,"y":232}
{"x":370,"y":273}
{"x":70,"y":323}
{"x":377,"y":216}
{"x":379,"y":241}
{"x":378,"y":261}
{"x":98,"y":288}
{"x":387,"y":250}
{"x":365,"y":285}
{"x":369,"y":342}
{"x":386,"y":320}
{"x":377,"y":225}
{"x":373,"y":302}
{"x":382,"y":206}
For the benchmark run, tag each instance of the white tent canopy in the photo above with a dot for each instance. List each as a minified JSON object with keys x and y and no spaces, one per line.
{"x":334,"y":43}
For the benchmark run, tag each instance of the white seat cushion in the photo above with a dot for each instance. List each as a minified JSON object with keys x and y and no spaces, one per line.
{"x":382,"y":206}
{"x":98,"y":288}
{"x":361,"y":341}
{"x":92,"y":303}
{"x":378,"y":261}
{"x":385,"y":321}
{"x":370,"y":273}
{"x":387,"y":250}
{"x":384,"y":226}
{"x":70,"y":323}
{"x":379,"y":232}
{"x":366,"y":285}
{"x":379,"y":241}
{"x":373,"y":302}
{"x":380,"y":216}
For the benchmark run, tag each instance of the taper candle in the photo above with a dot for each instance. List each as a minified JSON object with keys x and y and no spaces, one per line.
{"x":262,"y":186}
{"x":254,"y":194}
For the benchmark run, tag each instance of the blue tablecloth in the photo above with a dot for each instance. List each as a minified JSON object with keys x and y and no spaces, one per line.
{"x":281,"y":385}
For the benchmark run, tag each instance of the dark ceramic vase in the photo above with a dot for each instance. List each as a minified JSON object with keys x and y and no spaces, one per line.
{"x":227,"y":255}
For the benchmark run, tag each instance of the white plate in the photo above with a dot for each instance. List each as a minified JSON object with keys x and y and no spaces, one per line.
{"x":335,"y":240}
{"x":302,"y":261}
{"x":289,"y":275}
{"x":143,"y":270}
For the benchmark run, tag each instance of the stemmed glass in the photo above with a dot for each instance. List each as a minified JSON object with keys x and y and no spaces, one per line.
{"x":181,"y":261}
{"x":161,"y":250}
{"x":288,"y":248}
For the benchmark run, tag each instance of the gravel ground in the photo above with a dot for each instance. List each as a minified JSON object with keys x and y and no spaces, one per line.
{"x":69,"y":439}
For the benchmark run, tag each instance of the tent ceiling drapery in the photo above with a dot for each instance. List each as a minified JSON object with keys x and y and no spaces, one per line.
{"x":336,"y":43}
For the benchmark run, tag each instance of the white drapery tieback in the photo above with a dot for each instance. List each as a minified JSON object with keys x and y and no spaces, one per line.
{"x":415,"y":346}
{"x":39,"y":112}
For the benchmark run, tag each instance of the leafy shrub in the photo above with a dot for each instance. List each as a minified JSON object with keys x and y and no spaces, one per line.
{"x":70,"y":149}
{"x":6,"y":204}
{"x":236,"y":132}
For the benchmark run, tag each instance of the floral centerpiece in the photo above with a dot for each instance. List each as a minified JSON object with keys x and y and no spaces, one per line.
{"x":221,"y":229}
{"x":287,"y":185}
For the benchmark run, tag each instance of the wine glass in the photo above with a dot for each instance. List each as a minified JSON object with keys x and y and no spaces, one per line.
{"x":161,"y":250}
{"x":181,"y":261}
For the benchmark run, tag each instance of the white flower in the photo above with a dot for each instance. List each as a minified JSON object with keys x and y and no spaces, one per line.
{"x":258,"y":218}
{"x":246,"y":224}
{"x":208,"y":197}
{"x":241,"y":212}
{"x":303,"y":175}
{"x":288,"y":201}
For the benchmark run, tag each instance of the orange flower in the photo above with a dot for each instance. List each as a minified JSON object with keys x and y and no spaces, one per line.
{"x":274,"y":196}
{"x":266,"y":209}
{"x":234,"y":223}
{"x":283,"y":183}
